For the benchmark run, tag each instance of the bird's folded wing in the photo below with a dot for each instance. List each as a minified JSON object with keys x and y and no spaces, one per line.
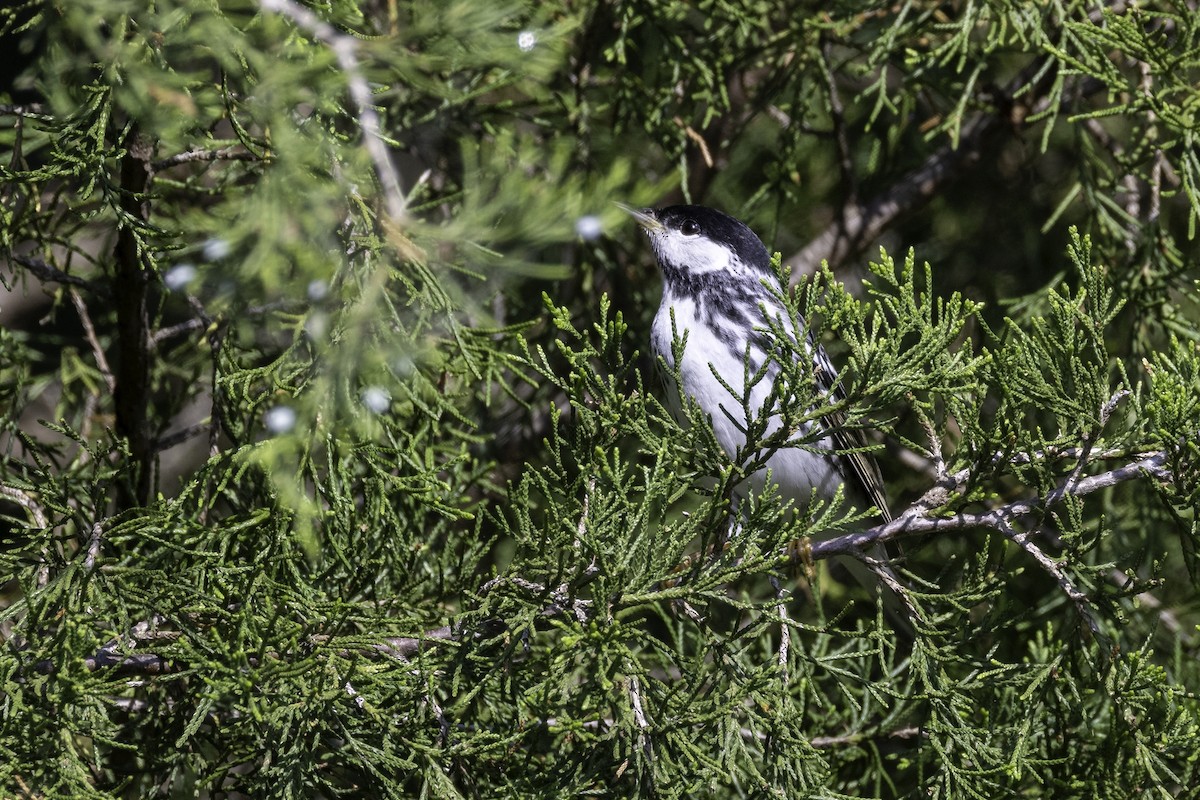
{"x":850,"y":444}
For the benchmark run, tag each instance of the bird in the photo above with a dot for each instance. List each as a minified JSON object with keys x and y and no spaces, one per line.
{"x":722,"y":298}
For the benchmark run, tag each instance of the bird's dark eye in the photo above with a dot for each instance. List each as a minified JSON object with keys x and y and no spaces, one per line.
{"x":689,"y":227}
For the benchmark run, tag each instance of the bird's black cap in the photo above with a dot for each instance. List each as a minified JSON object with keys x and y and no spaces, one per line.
{"x":720,"y":227}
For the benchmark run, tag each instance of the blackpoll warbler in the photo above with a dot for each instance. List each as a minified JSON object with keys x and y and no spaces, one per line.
{"x":719,"y":290}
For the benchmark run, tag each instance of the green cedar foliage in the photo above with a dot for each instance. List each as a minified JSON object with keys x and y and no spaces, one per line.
{"x":332,"y":462}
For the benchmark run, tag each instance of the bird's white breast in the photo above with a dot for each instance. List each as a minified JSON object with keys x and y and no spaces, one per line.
{"x":797,"y":470}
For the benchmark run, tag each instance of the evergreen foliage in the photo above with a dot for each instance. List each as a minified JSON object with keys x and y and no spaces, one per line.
{"x":333,"y":463}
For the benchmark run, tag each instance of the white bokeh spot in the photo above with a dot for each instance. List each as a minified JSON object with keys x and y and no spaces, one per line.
{"x":316,"y":326}
{"x":215,"y":249}
{"x":318,"y":290}
{"x":279,"y":420}
{"x":376,"y":399}
{"x":179,"y":276}
{"x":589,"y":227}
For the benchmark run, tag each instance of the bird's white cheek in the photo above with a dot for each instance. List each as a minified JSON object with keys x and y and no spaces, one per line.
{"x":698,"y":253}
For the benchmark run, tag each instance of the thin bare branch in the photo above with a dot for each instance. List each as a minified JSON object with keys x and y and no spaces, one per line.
{"x":359,"y":700}
{"x":180,"y":329}
{"x":837,"y":112}
{"x":95,"y":541}
{"x":860,"y":223}
{"x":639,"y":717}
{"x":916,"y":519}
{"x":34,"y":110}
{"x":1085,"y":448}
{"x":635,"y":700}
{"x":345,"y":48}
{"x":405,"y":647}
{"x":25,"y":500}
{"x":785,"y":631}
{"x":191,"y":156}
{"x":50,"y":274}
{"x":90,"y":332}
{"x":1024,"y":540}
{"x":180,"y":436}
{"x":828,"y":742}
{"x":111,"y":655}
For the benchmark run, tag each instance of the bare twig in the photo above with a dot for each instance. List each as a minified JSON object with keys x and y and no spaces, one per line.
{"x":25,"y":500}
{"x":819,"y":742}
{"x":838,"y":114}
{"x":860,"y":223}
{"x":180,"y":436}
{"x":781,"y":117}
{"x":191,"y":156}
{"x":827,"y":742}
{"x":916,"y":520}
{"x":405,"y":647}
{"x":907,"y":614}
{"x":94,"y":543}
{"x":49,"y":274}
{"x":941,"y":492}
{"x":180,"y":329}
{"x":848,"y":739}
{"x":90,"y":332}
{"x":1085,"y":449}
{"x":203,"y":319}
{"x":689,"y":611}
{"x":345,"y":48}
{"x":358,"y":699}
{"x":110,"y":656}
{"x":516,"y":580}
{"x":31,"y":110}
{"x":935,"y":451}
{"x":785,"y":631}
{"x":1156,"y":184}
{"x":1024,"y":540}
{"x":635,"y":701}
{"x":639,"y":717}
{"x":690,"y":132}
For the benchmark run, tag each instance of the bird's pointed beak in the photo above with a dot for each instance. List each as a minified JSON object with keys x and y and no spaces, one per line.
{"x":644,"y":216}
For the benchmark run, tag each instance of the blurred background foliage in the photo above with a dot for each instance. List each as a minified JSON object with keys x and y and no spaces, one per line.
{"x":333,"y":463}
